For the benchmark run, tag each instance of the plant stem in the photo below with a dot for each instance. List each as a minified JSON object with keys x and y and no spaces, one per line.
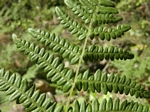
{"x":80,"y":61}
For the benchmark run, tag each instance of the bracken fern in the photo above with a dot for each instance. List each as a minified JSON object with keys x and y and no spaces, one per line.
{"x":93,"y":20}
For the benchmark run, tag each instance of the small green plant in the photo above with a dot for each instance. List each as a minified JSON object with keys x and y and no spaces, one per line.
{"x":18,"y":15}
{"x":93,"y":19}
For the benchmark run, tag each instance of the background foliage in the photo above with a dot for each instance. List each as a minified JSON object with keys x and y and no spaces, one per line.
{"x":18,"y":15}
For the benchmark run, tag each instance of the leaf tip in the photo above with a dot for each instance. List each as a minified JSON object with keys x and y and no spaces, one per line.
{"x":30,"y":30}
{"x":14,"y":37}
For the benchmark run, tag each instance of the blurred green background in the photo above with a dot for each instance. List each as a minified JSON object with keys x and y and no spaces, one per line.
{"x":16,"y":16}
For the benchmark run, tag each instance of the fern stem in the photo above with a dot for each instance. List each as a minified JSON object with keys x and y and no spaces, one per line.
{"x":80,"y":61}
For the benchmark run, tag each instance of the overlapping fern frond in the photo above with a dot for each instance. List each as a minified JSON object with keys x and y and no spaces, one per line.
{"x":65,"y":76}
{"x":25,"y":94}
{"x":108,"y":106}
{"x":19,"y":90}
{"x":58,"y":44}
{"x":93,"y":18}
{"x":104,"y":14}
{"x":103,"y":82}
{"x":51,"y":65}
{"x":72,"y":52}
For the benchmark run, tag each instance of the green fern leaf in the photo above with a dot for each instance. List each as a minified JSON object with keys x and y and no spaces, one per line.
{"x":108,"y":10}
{"x":88,"y":4}
{"x":105,"y":19}
{"x":23,"y":93}
{"x":73,"y":26}
{"x":94,"y":52}
{"x":94,"y":15}
{"x":107,"y":83}
{"x":109,"y":33}
{"x":58,"y":44}
{"x":78,"y":10}
{"x":108,"y":106}
{"x":106,"y":3}
{"x":56,"y":71}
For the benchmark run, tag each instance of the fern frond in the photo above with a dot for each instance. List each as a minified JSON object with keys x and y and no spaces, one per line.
{"x":89,"y":5}
{"x":25,"y":94}
{"x":108,"y":83}
{"x":105,"y":6}
{"x":73,"y":26}
{"x":58,"y":44}
{"x":106,"y":3}
{"x":107,"y":10}
{"x":105,"y":16}
{"x":86,"y":14}
{"x":104,"y":33}
{"x":105,"y":19}
{"x":56,"y":70}
{"x":108,"y":106}
{"x":94,"y":52}
{"x":78,"y":10}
